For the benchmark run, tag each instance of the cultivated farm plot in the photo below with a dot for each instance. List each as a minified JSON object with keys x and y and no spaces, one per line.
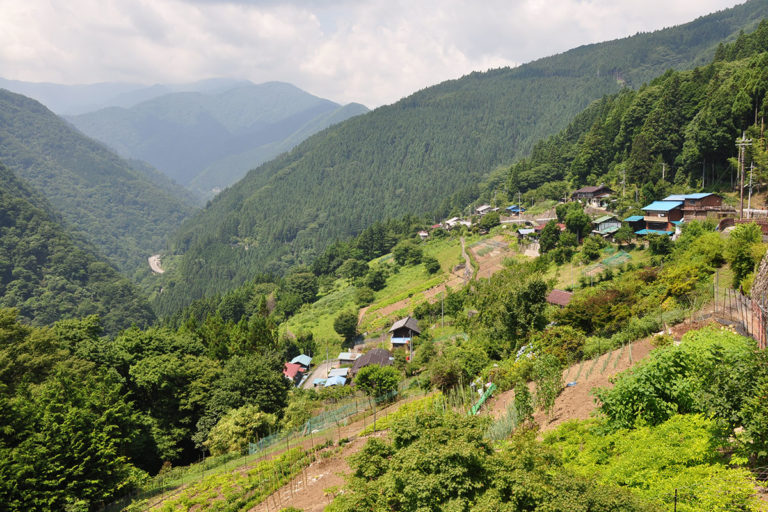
{"x":577,"y":402}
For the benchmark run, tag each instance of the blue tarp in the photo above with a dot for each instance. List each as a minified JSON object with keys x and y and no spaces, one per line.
{"x":335,"y":381}
{"x":400,"y":341}
{"x":515,"y":209}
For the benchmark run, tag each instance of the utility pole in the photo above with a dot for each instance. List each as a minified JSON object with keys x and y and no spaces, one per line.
{"x":742,"y":144}
{"x":749,"y":201}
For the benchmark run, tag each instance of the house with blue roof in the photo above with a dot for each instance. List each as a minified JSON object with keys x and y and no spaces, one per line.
{"x":701,"y":205}
{"x":661,"y":217}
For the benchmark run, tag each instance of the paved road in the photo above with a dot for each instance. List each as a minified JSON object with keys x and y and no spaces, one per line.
{"x":320,"y":372}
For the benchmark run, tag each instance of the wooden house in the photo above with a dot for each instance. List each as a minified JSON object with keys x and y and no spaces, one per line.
{"x":595,"y":196}
{"x":606,"y":225}
{"x":403,"y":331}
{"x":661,"y":217}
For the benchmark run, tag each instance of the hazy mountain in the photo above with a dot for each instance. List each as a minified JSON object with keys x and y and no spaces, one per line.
{"x":125,"y":210}
{"x":81,"y":98}
{"x":210,"y":140}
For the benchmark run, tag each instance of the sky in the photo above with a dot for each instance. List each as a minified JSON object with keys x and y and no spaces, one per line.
{"x":368,"y":51}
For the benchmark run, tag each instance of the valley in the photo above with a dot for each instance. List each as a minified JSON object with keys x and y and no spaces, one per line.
{"x":539,"y":287}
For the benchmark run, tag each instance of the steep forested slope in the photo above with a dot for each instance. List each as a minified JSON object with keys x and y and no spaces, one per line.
{"x":47,"y":276}
{"x":209,"y":141}
{"x":412,"y":156}
{"x":123,"y":212}
{"x":677,"y":132}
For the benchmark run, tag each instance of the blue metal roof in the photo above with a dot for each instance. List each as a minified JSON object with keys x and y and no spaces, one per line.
{"x":634,"y":218}
{"x":652,"y":232}
{"x":302,"y":360}
{"x":662,"y":206}
{"x":683,"y":197}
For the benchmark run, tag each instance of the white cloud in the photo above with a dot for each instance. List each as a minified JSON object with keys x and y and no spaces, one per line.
{"x":373,"y":52}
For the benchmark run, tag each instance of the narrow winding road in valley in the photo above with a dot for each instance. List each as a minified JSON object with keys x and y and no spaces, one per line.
{"x":154,"y":264}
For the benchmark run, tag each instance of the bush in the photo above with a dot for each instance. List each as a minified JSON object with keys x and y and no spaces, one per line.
{"x":364,"y":296}
{"x":431,"y":264}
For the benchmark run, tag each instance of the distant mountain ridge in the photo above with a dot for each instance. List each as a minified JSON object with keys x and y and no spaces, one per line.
{"x":207,"y":141}
{"x":125,"y":210}
{"x":424,"y":154}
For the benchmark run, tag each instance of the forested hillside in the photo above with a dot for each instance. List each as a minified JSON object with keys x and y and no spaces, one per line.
{"x":676,"y":133}
{"x":423,"y":154}
{"x":121,"y":210}
{"x":209,"y":141}
{"x":47,"y":276}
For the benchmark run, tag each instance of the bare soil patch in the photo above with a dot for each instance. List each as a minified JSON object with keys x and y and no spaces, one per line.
{"x":577,"y":402}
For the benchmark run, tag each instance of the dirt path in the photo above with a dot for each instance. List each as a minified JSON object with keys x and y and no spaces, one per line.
{"x":577,"y":402}
{"x":468,"y":270}
{"x":154,"y":264}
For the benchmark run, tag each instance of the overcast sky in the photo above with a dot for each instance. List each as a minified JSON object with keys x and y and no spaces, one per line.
{"x":373,"y":52}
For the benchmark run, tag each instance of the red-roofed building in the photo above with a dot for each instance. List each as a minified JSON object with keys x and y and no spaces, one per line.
{"x":293,"y":372}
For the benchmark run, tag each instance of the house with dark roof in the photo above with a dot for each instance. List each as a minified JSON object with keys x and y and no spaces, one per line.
{"x":403,"y":331}
{"x":595,"y":196}
{"x":377,"y":356}
{"x":559,"y":297}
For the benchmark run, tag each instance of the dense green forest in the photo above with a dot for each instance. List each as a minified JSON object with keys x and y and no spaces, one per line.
{"x":424,"y":155}
{"x":208,"y":141}
{"x":119,"y":208}
{"x":47,"y":275}
{"x":676,"y":133}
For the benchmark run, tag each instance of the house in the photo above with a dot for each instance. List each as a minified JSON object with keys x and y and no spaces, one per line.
{"x":483,"y":209}
{"x":594,"y":196}
{"x":423,"y":234}
{"x":559,"y":297}
{"x":606,"y":225}
{"x":347,"y":357}
{"x":453,"y":221}
{"x":403,"y":330}
{"x":661,"y":217}
{"x":701,"y":205}
{"x":526,"y":232}
{"x":377,"y":356}
{"x":515,"y":209}
{"x":303,"y":360}
{"x":293,"y":372}
{"x":636,"y":222}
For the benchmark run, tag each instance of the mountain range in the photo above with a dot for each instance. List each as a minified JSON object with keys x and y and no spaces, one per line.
{"x":209,"y":140}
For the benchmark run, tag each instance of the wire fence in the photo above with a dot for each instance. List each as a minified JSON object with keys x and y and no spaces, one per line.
{"x":251,"y":453}
{"x":747,"y":315}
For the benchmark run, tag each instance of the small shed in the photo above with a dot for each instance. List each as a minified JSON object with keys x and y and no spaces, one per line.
{"x":338,"y":372}
{"x":515,"y":209}
{"x":483,"y":209}
{"x":377,"y":356}
{"x":403,"y":330}
{"x":347,"y":357}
